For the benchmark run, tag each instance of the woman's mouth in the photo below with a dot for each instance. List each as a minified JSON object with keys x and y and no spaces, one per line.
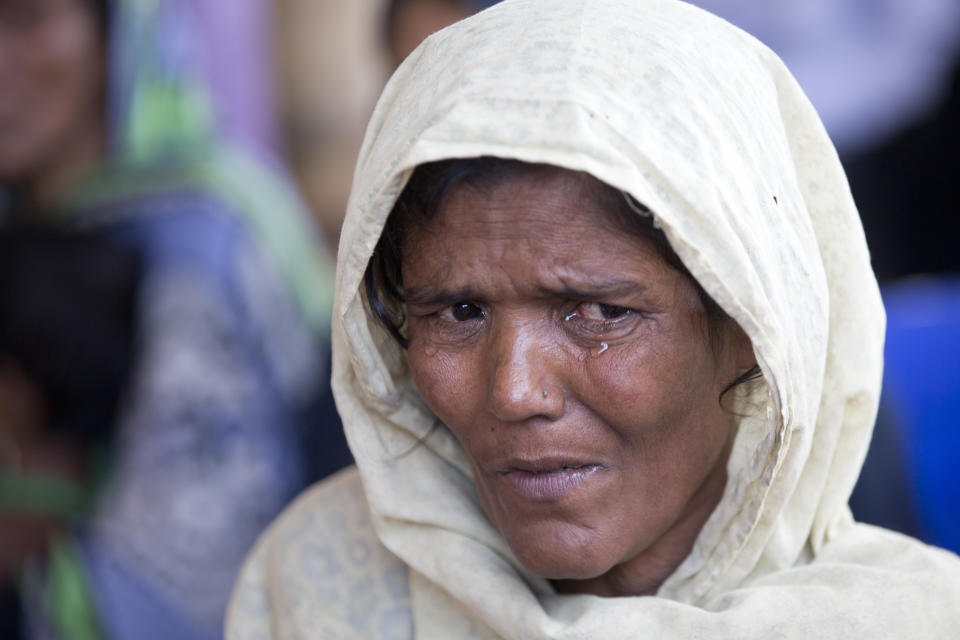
{"x":544,"y":483}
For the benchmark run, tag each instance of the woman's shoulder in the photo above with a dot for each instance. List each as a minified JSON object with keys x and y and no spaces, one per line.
{"x":321,"y":569}
{"x":866,"y":580}
{"x":877,"y":549}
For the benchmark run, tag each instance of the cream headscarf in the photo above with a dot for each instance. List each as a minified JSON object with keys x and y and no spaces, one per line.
{"x":705,"y":126}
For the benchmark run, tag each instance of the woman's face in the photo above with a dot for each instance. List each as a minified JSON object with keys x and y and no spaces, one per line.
{"x":576,"y":368}
{"x":51,"y":71}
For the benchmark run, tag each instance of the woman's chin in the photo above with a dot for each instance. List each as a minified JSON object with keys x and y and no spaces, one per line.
{"x":563,"y":568}
{"x":562,"y":552}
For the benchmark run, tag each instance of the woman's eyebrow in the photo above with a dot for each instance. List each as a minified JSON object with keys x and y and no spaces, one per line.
{"x":595,"y":289}
{"x":432,"y":294}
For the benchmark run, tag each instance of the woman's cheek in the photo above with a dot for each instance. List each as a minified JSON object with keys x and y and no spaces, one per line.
{"x":440,"y":379}
{"x":640,"y":386}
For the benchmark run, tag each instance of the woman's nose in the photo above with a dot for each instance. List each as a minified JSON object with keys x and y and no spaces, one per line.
{"x":523,"y":380}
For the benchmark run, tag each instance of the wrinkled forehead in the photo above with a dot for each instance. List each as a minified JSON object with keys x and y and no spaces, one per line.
{"x":484,"y":195}
{"x":530,"y":204}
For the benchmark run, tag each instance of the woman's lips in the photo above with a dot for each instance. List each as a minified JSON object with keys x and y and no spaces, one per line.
{"x":534,"y":482}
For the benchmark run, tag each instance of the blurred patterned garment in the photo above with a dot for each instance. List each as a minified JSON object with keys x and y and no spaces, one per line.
{"x":232,"y":312}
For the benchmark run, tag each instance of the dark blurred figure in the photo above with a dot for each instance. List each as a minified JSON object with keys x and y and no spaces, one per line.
{"x":67,"y":305}
{"x":905,"y":189}
{"x":133,"y":121}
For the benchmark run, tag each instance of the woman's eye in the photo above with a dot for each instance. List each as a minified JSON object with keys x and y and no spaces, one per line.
{"x":464,"y":311}
{"x":598,"y":312}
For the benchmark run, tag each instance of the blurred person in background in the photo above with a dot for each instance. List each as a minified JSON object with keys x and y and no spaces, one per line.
{"x":331,"y":65}
{"x":137,"y":120}
{"x":408,"y":22}
{"x":67,"y":319}
{"x":333,"y":58}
